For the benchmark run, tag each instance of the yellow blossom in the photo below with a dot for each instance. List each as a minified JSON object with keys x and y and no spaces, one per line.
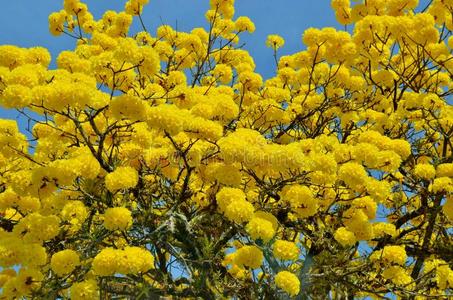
{"x":64,"y":262}
{"x":288,"y":282}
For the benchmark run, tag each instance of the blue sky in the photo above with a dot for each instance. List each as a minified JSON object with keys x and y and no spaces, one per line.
{"x":24,"y":23}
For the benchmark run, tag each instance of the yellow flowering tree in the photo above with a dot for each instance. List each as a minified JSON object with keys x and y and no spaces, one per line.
{"x":159,"y":163}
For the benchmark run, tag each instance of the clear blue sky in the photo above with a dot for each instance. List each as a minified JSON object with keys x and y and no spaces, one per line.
{"x":24,"y":23}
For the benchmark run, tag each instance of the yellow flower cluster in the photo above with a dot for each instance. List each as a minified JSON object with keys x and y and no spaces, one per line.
{"x":398,"y":275}
{"x":117,"y":218}
{"x":228,"y":174}
{"x":301,"y":200}
{"x":443,"y":275}
{"x":130,"y":260}
{"x":262,"y":226}
{"x":248,"y":256}
{"x":121,"y":178}
{"x":353,"y":174}
{"x":288,"y":282}
{"x":24,"y":284}
{"x":425,"y":171}
{"x":285,"y":250}
{"x":380,"y":229}
{"x":135,"y":7}
{"x":442,"y":185}
{"x":345,"y":237}
{"x":37,"y":228}
{"x":357,"y":222}
{"x":13,"y":57}
{"x":444,"y":170}
{"x":64,"y":262}
{"x":85,"y":290}
{"x":274,"y":41}
{"x":223,"y":73}
{"x":232,"y":203}
{"x":75,"y":213}
{"x":391,"y":255}
{"x":16,"y":251}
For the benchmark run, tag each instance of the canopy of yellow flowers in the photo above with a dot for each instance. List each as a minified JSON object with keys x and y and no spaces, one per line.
{"x":162,"y":164}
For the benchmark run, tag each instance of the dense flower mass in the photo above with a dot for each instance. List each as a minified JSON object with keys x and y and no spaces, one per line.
{"x":288,"y":282}
{"x":130,"y":260}
{"x":159,"y":163}
{"x":117,"y":218}
{"x":345,"y":237}
{"x":262,"y":226}
{"x":285,"y":250}
{"x":121,"y":178}
{"x":64,"y":262}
